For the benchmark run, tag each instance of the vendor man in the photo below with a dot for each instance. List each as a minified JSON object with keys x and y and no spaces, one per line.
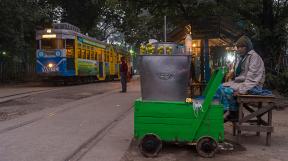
{"x":249,"y":73}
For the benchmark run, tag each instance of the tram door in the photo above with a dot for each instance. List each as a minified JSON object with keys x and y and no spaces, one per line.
{"x":101,"y":66}
{"x":70,"y":54}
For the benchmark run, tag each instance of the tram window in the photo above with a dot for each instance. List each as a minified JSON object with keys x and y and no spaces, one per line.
{"x":83,"y":54}
{"x":69,"y":43}
{"x":92,"y":55}
{"x":70,"y":47}
{"x":79,"y":52}
{"x":52,"y":44}
{"x":100,"y":57}
{"x":49,"y":44}
{"x":111,"y":57}
{"x":96,"y":56}
{"x":88,"y":54}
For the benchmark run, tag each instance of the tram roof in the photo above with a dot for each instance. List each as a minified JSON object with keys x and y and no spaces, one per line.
{"x":66,"y":31}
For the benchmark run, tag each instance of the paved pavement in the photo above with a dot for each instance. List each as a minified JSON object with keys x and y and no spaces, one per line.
{"x":98,"y":128}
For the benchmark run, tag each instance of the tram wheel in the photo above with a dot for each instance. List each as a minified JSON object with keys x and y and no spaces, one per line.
{"x":150,"y":145}
{"x":206,"y":147}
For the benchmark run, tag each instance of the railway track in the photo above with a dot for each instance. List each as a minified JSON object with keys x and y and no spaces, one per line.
{"x":25,"y":94}
{"x":81,"y":114}
{"x":91,"y":142}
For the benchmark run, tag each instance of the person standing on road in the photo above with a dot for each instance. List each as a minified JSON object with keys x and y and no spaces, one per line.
{"x":123,"y":74}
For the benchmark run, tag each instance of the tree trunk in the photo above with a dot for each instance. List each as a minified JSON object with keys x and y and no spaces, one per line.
{"x":268,"y":14}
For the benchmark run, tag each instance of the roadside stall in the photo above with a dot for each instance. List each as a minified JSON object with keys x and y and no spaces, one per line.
{"x":164,"y":113}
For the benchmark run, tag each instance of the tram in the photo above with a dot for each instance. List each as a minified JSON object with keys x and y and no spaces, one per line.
{"x":63,"y":53}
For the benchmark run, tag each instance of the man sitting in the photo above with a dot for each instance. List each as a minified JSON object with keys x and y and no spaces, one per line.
{"x":249,"y":73}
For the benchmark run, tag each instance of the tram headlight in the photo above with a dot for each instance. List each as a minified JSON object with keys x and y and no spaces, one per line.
{"x":50,"y":65}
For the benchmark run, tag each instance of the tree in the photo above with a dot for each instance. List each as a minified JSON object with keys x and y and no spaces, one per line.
{"x":144,"y":18}
{"x":82,"y":13}
{"x":18,"y":25}
{"x":266,"y":22}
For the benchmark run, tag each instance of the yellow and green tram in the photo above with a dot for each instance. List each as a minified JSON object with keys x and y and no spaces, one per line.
{"x":63,"y":53}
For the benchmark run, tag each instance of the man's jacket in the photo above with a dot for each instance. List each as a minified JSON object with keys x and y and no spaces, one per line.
{"x":252,"y":74}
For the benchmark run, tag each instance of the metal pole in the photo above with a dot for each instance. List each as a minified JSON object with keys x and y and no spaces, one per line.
{"x":164,"y":35}
{"x":164,"y":28}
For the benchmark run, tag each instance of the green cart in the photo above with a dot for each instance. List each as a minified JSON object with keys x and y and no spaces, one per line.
{"x":181,"y":122}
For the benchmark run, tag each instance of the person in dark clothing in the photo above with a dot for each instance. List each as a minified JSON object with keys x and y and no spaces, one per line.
{"x":123,"y":74}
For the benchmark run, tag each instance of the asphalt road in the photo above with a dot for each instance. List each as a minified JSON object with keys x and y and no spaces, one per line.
{"x":85,"y":122}
{"x":94,"y":122}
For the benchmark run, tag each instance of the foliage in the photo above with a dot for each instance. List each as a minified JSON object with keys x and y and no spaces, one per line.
{"x":18,"y":25}
{"x":137,"y":21}
{"x":81,"y":13}
{"x":266,"y":22}
{"x":144,"y":19}
{"x":278,"y":82}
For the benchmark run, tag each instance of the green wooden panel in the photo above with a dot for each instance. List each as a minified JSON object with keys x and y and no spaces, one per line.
{"x":174,"y":110}
{"x":213,"y":128}
{"x":176,"y":121}
{"x":165,"y":132}
{"x":163,"y":120}
{"x":180,"y":132}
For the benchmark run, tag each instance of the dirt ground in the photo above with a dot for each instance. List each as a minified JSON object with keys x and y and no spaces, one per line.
{"x":251,"y":148}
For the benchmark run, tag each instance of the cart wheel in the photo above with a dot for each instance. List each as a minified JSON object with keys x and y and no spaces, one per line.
{"x":150,"y":145}
{"x":206,"y":147}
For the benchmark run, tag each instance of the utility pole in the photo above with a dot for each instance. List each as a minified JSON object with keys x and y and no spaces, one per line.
{"x":164,"y":35}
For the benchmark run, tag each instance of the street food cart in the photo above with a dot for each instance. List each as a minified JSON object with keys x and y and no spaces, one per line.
{"x":164,"y":113}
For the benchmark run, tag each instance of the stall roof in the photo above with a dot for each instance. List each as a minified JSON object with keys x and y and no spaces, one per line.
{"x":220,"y":31}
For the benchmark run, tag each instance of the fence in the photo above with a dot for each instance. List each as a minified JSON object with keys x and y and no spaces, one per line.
{"x":13,"y":72}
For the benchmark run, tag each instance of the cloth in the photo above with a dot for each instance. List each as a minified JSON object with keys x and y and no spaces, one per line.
{"x":123,"y":75}
{"x":245,"y":41}
{"x":252,"y":74}
{"x":123,"y":80}
{"x":124,"y":68}
{"x":257,"y":90}
{"x":238,"y":69}
{"x":225,"y":95}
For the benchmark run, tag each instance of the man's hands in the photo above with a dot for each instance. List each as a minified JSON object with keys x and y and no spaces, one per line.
{"x":227,"y":84}
{"x":229,"y":76}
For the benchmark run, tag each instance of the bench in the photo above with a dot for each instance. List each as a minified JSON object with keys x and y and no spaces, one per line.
{"x":251,"y":113}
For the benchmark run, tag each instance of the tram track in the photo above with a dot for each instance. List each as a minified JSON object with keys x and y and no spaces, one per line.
{"x":96,"y":138}
{"x":25,"y":94}
{"x":88,"y":144}
{"x":49,"y":114}
{"x":16,"y":94}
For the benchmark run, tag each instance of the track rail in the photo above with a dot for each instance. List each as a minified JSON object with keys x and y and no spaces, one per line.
{"x":25,"y":94}
{"x":91,"y":142}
